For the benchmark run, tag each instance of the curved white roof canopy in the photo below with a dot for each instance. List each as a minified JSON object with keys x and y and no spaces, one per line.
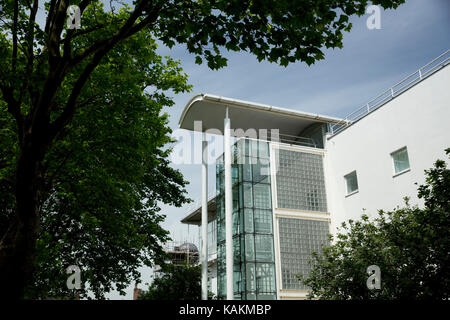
{"x":195,"y":217}
{"x":246,"y":115}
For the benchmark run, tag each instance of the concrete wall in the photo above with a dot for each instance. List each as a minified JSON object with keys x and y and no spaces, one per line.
{"x":418,"y":119}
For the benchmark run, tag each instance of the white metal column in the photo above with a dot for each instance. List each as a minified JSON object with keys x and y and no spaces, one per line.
{"x":228,"y":208}
{"x":204,"y":257}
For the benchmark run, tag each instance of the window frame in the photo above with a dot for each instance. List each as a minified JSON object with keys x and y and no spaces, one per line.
{"x":347,"y":193}
{"x":395,"y":174}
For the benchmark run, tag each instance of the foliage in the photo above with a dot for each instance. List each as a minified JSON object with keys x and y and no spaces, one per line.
{"x":411,"y":245}
{"x":175,"y":283}
{"x":107,"y":176}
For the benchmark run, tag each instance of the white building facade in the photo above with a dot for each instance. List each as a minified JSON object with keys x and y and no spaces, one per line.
{"x":291,"y":189}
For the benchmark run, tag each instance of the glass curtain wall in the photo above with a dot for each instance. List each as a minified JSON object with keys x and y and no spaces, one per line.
{"x":212,"y":238}
{"x":253,"y":245}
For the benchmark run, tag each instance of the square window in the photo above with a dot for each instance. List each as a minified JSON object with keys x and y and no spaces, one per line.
{"x":400,"y":160}
{"x":351,"y":181}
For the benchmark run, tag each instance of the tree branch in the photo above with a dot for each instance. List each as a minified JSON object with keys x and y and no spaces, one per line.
{"x":30,"y":41}
{"x":14,"y":35}
{"x":14,"y":109}
{"x":49,"y":21}
{"x":99,"y":49}
{"x":82,"y":32}
{"x":58,"y":168}
{"x":122,"y":34}
{"x":70,"y":33}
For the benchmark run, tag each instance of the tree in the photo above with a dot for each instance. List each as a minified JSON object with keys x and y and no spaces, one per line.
{"x":410,"y":245}
{"x":106,"y":176}
{"x":175,"y":283}
{"x":45,"y":69}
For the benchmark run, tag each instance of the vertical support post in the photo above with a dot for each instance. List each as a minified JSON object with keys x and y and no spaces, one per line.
{"x":204,"y":257}
{"x":228,"y":208}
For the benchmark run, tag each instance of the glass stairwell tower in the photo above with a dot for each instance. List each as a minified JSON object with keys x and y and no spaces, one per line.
{"x":253,"y":239}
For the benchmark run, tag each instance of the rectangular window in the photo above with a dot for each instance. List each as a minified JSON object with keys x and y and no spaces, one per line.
{"x":351,"y":181}
{"x":400,"y":160}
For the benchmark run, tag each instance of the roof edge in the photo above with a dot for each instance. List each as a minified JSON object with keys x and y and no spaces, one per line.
{"x":254,"y":105}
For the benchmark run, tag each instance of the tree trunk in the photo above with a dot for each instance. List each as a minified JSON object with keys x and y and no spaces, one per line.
{"x":17,"y":247}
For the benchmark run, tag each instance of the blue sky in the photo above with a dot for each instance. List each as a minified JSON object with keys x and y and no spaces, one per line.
{"x":370,"y":62}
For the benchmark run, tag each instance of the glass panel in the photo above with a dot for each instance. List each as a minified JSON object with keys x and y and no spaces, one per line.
{"x":220,"y":231}
{"x":264,"y":248}
{"x":241,"y":196}
{"x":248,"y":220}
{"x":301,"y":181}
{"x":236,"y":224}
{"x":235,"y":198}
{"x":221,"y":285}
{"x":247,"y":170}
{"x":262,"y":196}
{"x":240,"y":151}
{"x":263,"y":221}
{"x":265,"y":278}
{"x":251,"y":277}
{"x":212,"y":237}
{"x":298,"y":239}
{"x":254,"y":148}
{"x":236,"y":251}
{"x":261,"y":172}
{"x":263,"y":150}
{"x":251,"y":295}
{"x":248,"y":195}
{"x":243,"y":250}
{"x":249,"y":247}
{"x":237,"y":286}
{"x":234,"y":173}
{"x":247,"y":147}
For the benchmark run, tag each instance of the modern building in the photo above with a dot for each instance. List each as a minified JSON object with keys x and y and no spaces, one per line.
{"x":178,"y":254}
{"x":291,"y":178}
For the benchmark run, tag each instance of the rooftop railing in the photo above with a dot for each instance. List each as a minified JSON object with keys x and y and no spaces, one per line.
{"x":286,"y":139}
{"x":297,"y":140}
{"x":414,"y":78}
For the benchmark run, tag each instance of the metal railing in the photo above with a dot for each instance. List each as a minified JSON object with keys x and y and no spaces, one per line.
{"x":414,"y":78}
{"x":297,"y":140}
{"x":286,"y":139}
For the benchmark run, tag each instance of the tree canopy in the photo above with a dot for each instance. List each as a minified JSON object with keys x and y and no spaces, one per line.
{"x":77,"y":104}
{"x":410,"y":245}
{"x":175,"y":282}
{"x":105,"y":178}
